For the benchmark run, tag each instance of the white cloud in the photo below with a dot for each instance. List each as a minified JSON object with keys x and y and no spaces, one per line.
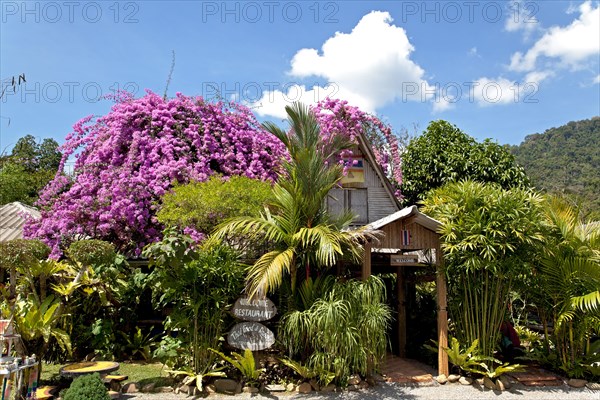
{"x":494,"y":91}
{"x":597,"y":79}
{"x":473,"y":52}
{"x":443,"y":103}
{"x":571,"y":45}
{"x":537,"y":77}
{"x":370,"y":66}
{"x":522,"y":17}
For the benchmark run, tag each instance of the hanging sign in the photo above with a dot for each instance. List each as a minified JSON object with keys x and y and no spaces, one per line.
{"x":250,"y":335}
{"x":254,"y":310}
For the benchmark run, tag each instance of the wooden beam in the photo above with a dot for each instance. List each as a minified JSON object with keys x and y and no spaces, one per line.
{"x":401,"y":294}
{"x":442,"y":315}
{"x":366,"y":265}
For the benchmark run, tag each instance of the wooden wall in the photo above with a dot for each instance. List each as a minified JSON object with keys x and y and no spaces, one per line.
{"x":380,"y":204}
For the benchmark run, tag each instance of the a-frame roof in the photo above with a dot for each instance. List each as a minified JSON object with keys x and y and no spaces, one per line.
{"x":367,"y":150}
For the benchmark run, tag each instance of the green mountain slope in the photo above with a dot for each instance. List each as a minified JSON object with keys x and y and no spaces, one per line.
{"x":565,"y":160}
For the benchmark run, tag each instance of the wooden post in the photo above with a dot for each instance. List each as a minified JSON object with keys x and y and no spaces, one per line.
{"x":366,"y":265}
{"x":442,"y":314}
{"x":401,"y":294}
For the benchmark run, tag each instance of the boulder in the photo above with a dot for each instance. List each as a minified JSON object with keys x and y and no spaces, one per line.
{"x":290,"y":387}
{"x":227,"y":386}
{"x":250,"y":389}
{"x":505,"y":381}
{"x":148,"y":388}
{"x":275,"y":388}
{"x":488,"y":383}
{"x":210,"y":388}
{"x":577,"y":383}
{"x":465,"y":380}
{"x":362,"y":385}
{"x":131,"y":387}
{"x":305,"y":388}
{"x":164,"y":389}
{"x":329,"y":388}
{"x":453,"y":378}
{"x":441,"y":379}
{"x":315,"y":385}
{"x":354,"y":380}
{"x":353,"y":388}
{"x":376,"y":377}
{"x":593,"y":385}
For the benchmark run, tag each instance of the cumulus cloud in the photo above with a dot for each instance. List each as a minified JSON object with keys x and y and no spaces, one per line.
{"x":570,"y":46}
{"x":522,"y":17}
{"x":494,"y":91}
{"x":371,"y":66}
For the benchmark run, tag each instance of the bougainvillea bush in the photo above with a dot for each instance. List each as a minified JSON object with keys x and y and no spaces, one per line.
{"x":338,"y":117}
{"x":127,"y":159}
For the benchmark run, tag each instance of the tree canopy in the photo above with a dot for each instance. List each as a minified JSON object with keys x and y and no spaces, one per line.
{"x":28,"y":168}
{"x":565,"y":160}
{"x":444,"y":153}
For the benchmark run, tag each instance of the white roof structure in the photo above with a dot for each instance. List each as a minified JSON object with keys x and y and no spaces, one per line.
{"x":412,"y":211}
{"x":12,"y":219}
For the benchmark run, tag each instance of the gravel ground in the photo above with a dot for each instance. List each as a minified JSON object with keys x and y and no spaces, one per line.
{"x":389,"y":391}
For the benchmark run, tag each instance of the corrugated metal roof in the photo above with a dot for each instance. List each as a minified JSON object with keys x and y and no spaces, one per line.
{"x":12,"y":219}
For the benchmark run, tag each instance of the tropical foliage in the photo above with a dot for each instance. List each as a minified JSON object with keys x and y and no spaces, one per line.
{"x":296,"y":223}
{"x":130,"y":157}
{"x":198,"y":207}
{"x":28,"y":168}
{"x":566,"y":288}
{"x":199,"y":283}
{"x":565,"y":160}
{"x":340,"y":333}
{"x":488,"y":235}
{"x":443,"y":154}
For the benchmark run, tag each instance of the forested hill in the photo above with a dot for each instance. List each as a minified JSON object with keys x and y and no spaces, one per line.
{"x":565,"y":160}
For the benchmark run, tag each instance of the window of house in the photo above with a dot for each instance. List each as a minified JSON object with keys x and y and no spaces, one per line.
{"x":355,"y":200}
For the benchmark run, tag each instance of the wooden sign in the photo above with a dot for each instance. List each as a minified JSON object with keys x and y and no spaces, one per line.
{"x":399,"y":259}
{"x":254,"y":310}
{"x":250,"y":335}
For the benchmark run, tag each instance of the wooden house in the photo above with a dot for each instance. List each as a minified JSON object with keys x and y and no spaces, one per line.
{"x":409,"y":239}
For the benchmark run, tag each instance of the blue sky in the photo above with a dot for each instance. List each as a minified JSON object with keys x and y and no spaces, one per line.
{"x":498,"y":69}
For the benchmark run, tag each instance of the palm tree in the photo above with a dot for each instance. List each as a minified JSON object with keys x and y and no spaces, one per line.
{"x":568,"y":282}
{"x":296,"y":222}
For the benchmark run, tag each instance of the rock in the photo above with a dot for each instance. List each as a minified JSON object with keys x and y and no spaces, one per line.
{"x":488,"y":383}
{"x":505,"y":381}
{"x":441,"y":379}
{"x":376,"y":377}
{"x":131,"y":387}
{"x":148,"y":388}
{"x":328,"y":389}
{"x":275,"y":388}
{"x":227,"y":386}
{"x":500,"y":386}
{"x":354,"y":380}
{"x":353,"y":388}
{"x":362,"y":385}
{"x":290,"y":387}
{"x":115,"y":386}
{"x":577,"y":383}
{"x":464,"y":380}
{"x":315,"y":385}
{"x":250,"y":389}
{"x":164,"y":389}
{"x":305,"y":388}
{"x":453,"y":378}
{"x":210,"y":388}
{"x":593,"y":385}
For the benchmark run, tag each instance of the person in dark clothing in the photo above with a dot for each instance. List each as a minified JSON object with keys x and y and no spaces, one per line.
{"x":510,"y":342}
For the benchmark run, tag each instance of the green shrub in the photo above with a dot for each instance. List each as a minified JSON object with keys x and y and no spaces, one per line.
{"x":92,"y":252}
{"x":87,"y":387}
